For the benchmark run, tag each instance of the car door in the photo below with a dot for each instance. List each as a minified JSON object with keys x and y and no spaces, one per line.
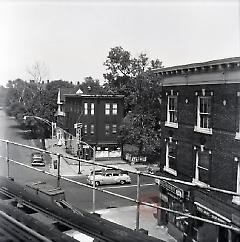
{"x":108,"y":178}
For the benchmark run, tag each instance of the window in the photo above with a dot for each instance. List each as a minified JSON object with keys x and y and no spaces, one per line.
{"x":114,"y":128}
{"x":236,"y":199}
{"x":92,"y":128}
{"x":107,"y":128}
{"x":204,"y":115}
{"x":172,"y":111}
{"x":115,"y":109}
{"x":86,"y":108}
{"x":85,"y":128}
{"x":202,"y":166}
{"x":92,"y":108}
{"x":238,"y":117}
{"x":107,"y":108}
{"x":171,"y":157}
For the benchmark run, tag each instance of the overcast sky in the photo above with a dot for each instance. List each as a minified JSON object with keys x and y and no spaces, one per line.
{"x":73,"y":38}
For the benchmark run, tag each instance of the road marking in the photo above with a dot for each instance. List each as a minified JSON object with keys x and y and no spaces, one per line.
{"x":126,"y":186}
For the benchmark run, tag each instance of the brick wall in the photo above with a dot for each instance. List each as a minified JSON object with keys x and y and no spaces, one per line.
{"x":222,"y":143}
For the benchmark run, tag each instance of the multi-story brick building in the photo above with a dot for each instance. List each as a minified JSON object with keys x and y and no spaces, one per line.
{"x":200,"y":125}
{"x":99,"y":117}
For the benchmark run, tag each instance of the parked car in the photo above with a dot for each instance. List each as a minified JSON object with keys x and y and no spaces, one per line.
{"x":109,"y":176}
{"x":37,"y":159}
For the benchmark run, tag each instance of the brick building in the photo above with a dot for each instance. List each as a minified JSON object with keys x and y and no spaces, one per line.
{"x":200,"y":125}
{"x":99,"y":117}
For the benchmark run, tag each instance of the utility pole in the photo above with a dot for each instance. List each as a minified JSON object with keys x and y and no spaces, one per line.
{"x":78,"y":127}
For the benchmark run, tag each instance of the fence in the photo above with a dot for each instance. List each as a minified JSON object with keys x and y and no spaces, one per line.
{"x":94,"y":188}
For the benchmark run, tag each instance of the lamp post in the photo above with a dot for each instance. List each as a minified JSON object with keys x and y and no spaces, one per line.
{"x":78,"y":127}
{"x":94,"y":185}
{"x":52,"y":124}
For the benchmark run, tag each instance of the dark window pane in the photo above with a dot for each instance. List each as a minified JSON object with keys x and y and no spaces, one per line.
{"x":172,"y":152}
{"x":172,"y":163}
{"x":203,"y":160}
{"x":203,"y":175}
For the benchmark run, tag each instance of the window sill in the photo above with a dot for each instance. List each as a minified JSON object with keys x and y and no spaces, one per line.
{"x":202,"y":130}
{"x":199,"y":183}
{"x":236,"y":200}
{"x":237,"y":136}
{"x":172,"y":125}
{"x":60,"y":113}
{"x":170,"y":171}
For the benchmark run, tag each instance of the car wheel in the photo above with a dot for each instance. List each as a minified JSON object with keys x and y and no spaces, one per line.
{"x":97,"y":183}
{"x":122,"y":182}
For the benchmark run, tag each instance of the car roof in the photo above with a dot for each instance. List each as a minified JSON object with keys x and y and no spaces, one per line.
{"x":36,"y":153}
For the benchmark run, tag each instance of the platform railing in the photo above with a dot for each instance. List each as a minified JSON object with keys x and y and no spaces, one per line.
{"x":137,"y":201}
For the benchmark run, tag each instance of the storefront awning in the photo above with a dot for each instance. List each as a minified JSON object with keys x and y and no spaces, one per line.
{"x":210,"y":213}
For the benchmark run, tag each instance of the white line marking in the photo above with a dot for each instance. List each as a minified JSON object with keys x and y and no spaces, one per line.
{"x":126,"y":186}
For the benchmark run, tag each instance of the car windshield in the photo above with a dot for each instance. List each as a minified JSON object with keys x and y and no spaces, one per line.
{"x":36,"y":155}
{"x":99,"y":172}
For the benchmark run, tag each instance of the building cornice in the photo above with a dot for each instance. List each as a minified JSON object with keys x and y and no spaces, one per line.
{"x":93,"y":96}
{"x":209,"y":66}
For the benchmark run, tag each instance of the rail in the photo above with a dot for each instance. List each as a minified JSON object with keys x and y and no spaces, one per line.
{"x":138,"y":173}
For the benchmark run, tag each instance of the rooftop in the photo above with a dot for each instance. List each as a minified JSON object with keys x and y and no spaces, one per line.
{"x":228,"y":62}
{"x":95,"y":95}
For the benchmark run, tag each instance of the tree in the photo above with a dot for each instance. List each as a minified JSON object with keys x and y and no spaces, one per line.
{"x":122,"y":73}
{"x":38,"y":73}
{"x":141,"y":128}
{"x":3,"y":93}
{"x":25,"y":98}
{"x":133,"y":77}
{"x":91,"y":86}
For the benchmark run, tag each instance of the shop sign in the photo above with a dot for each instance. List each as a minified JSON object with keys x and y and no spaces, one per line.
{"x":210,"y":215}
{"x":163,"y":197}
{"x":170,"y":187}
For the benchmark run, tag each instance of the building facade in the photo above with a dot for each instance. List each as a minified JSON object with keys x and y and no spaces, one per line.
{"x":200,"y":129}
{"x":94,"y":119}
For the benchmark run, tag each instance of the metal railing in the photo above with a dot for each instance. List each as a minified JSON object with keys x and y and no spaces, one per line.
{"x":94,"y":188}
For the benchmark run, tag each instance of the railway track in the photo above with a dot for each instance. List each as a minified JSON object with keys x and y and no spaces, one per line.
{"x":28,"y":217}
{"x":12,"y":230}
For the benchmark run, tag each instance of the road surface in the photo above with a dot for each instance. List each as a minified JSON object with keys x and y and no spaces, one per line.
{"x":78,"y":196}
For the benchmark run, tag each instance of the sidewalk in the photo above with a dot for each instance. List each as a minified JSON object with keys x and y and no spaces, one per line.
{"x":70,"y":167}
{"x":125,"y":216}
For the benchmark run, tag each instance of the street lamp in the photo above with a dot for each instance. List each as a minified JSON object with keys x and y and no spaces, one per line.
{"x":52,"y":124}
{"x":78,"y":127}
{"x":94,"y":185}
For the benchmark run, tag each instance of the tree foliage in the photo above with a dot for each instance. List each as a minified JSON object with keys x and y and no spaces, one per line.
{"x":38,"y":72}
{"x":133,"y":78}
{"x":91,"y":86}
{"x":27,"y":99}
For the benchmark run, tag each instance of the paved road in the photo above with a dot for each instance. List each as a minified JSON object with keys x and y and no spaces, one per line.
{"x":78,"y":196}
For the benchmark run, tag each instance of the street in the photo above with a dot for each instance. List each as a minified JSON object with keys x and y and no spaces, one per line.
{"x":78,"y":196}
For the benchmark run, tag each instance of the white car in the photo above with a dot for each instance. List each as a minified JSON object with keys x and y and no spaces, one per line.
{"x":109,"y":177}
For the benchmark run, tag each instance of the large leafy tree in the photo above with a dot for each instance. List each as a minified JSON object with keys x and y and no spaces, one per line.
{"x":3,"y":92}
{"x":28,"y":98}
{"x":91,"y":86}
{"x":133,"y":78}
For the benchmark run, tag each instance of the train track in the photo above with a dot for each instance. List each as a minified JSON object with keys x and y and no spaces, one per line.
{"x":26,"y":216}
{"x":12,"y":230}
{"x":21,"y":220}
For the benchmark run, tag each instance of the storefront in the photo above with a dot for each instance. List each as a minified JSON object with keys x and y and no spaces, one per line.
{"x":206,"y":232}
{"x":175,"y":197}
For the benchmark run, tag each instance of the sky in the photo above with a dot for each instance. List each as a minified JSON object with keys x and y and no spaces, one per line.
{"x":71,"y":39}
